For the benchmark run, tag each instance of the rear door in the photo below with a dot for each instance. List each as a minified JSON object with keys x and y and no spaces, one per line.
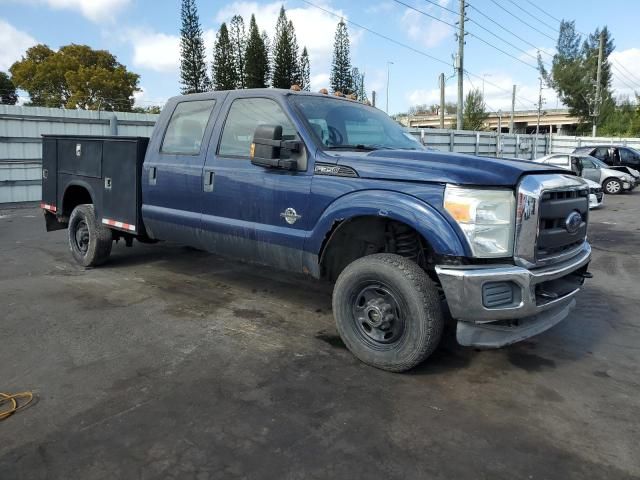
{"x":172,"y":177}
{"x":252,"y":212}
{"x":604,"y":154}
{"x":629,"y":158}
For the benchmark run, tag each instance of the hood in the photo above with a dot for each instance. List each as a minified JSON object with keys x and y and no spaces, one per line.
{"x":591,"y":183}
{"x":441,"y":167}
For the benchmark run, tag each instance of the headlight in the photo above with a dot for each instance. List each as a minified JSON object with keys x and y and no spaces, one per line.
{"x":486,"y":217}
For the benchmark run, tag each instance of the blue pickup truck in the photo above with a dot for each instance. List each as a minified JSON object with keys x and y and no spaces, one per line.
{"x":334,"y":188}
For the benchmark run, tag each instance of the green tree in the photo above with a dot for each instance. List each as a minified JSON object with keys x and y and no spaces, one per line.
{"x":340,"y":77}
{"x":256,"y":58}
{"x":305,"y":71}
{"x":154,"y":109}
{"x":357,"y":84}
{"x":193,"y":67}
{"x":76,"y":76}
{"x":8,"y":95}
{"x":225,"y":73}
{"x":475,"y":113}
{"x":573,"y":73}
{"x":239,"y":44}
{"x":285,"y":54}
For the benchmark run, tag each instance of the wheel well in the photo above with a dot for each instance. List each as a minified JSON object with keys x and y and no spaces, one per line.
{"x":360,"y":236}
{"x":74,"y":195}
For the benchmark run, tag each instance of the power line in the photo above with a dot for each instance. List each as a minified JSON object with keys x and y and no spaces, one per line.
{"x":404,"y":45}
{"x":441,"y":6}
{"x":373,"y":32}
{"x":619,"y":64}
{"x":470,"y":33}
{"x":543,"y":11}
{"x":522,"y":21}
{"x":622,"y":78}
{"x":506,"y":30}
{"x":533,"y":16}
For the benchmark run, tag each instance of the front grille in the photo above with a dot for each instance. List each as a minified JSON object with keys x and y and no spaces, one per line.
{"x":544,"y":204}
{"x":554,"y":238}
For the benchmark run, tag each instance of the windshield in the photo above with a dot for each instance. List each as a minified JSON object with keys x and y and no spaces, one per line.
{"x":346,"y":125}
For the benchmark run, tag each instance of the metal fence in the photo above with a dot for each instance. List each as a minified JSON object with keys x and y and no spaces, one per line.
{"x":21,"y":130}
{"x":487,"y":144}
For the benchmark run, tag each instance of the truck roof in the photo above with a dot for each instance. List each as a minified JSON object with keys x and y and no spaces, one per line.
{"x":270,"y":92}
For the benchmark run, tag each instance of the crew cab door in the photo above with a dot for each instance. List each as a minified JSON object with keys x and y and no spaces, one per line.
{"x":172,"y":175}
{"x":249,"y":211}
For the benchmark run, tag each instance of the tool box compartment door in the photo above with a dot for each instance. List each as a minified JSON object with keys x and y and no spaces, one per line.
{"x":78,"y":156}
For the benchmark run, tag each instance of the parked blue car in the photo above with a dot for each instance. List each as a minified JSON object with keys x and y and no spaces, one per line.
{"x":334,"y":188}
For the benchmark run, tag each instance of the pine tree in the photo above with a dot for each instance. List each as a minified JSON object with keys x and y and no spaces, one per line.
{"x":256,"y":58}
{"x":193,"y":68}
{"x":225,"y":74}
{"x":239,"y":44}
{"x":357,"y":84}
{"x":285,"y":54}
{"x":268,"y":47}
{"x":340,"y":78}
{"x":305,"y":70}
{"x":297,"y":78}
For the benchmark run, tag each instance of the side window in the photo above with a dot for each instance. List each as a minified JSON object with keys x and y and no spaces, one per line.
{"x":559,"y":160}
{"x":602,"y":153}
{"x":186,"y":127}
{"x":586,"y":163}
{"x":244,"y":116}
{"x":627,"y":156}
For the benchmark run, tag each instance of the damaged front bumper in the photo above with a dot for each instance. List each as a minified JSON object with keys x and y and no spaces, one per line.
{"x":500,"y":305}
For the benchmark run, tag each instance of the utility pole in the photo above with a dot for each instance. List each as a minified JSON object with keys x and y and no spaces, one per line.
{"x":535,"y":147}
{"x":442,"y":100}
{"x":596,"y":107}
{"x":513,"y":108}
{"x":460,"y":66}
{"x":373,"y":98}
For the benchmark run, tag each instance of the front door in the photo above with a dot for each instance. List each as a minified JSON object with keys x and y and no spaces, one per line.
{"x":252,"y":212}
{"x":590,"y":170}
{"x":172,"y":193}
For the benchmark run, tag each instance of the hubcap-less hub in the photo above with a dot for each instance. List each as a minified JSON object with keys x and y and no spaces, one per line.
{"x":82,"y":237}
{"x":377,"y":314}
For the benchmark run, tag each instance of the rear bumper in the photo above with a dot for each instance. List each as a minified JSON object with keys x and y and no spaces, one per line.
{"x":540,"y":298}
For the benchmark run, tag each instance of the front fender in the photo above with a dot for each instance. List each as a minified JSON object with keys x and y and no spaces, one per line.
{"x":407,"y":209}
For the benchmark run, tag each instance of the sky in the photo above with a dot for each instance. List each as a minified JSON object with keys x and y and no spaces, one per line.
{"x":410,"y":47}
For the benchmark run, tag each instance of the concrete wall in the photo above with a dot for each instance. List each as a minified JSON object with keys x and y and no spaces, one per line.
{"x":21,"y":129}
{"x":564,"y":144}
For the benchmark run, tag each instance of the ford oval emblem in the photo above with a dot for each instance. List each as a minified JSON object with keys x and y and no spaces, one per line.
{"x":573,"y":222}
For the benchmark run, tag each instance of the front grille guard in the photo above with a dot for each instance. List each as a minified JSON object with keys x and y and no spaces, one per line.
{"x":529,"y":195}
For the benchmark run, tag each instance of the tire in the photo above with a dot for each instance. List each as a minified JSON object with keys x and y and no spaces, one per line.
{"x":89,"y":241}
{"x":387,"y":312}
{"x":612,"y":186}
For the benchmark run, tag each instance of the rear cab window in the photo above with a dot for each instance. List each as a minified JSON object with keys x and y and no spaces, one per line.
{"x":186,"y":127}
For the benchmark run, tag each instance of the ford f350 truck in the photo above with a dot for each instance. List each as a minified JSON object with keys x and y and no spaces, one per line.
{"x":336,"y":189}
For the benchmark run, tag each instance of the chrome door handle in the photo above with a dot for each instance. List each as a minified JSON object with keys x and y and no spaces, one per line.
{"x":209,"y":177}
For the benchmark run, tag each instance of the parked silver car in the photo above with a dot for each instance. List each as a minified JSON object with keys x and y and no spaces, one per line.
{"x":596,"y":195}
{"x":612,"y":181}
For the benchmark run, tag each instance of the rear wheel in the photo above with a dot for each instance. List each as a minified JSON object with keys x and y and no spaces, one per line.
{"x":387,"y":311}
{"x":612,"y":186}
{"x":89,"y":241}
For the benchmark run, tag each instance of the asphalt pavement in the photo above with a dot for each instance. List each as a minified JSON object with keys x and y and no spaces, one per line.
{"x":173,"y":363}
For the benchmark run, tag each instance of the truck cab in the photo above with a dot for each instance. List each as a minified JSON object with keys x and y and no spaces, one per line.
{"x":330,"y":187}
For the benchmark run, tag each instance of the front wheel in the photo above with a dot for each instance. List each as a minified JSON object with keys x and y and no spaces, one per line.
{"x":612,"y":186}
{"x":89,"y":241}
{"x":387,"y":311}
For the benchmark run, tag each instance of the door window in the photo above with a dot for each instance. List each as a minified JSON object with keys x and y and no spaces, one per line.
{"x":629,"y":157}
{"x":586,"y":163}
{"x":560,"y":160}
{"x":244,"y":116}
{"x":602,"y":153}
{"x":186,"y":127}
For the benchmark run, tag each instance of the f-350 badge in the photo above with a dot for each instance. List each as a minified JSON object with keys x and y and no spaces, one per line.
{"x":290,"y":216}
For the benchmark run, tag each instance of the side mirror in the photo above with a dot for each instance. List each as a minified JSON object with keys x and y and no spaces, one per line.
{"x":267,"y":148}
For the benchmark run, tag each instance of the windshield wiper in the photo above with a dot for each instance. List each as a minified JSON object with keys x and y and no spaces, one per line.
{"x":359,"y":146}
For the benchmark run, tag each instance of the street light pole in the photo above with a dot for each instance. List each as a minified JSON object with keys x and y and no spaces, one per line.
{"x":388,"y":67}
